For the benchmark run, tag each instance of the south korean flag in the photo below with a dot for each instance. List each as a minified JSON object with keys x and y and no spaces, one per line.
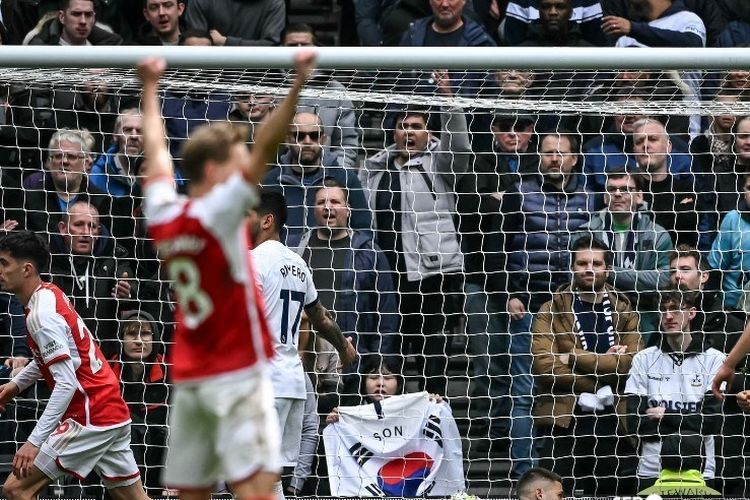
{"x":404,"y":446}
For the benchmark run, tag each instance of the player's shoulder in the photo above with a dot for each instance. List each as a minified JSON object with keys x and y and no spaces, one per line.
{"x":296,"y":258}
{"x":44,"y":307}
{"x":714,"y":354}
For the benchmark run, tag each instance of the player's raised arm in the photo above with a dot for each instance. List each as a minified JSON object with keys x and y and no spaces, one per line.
{"x":158,"y":163}
{"x":275,"y":128}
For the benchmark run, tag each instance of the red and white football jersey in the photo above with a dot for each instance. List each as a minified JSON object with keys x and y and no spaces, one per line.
{"x":56,"y":332}
{"x":221,"y":324}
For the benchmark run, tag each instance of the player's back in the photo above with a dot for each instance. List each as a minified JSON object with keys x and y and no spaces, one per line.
{"x":287,"y":287}
{"x":56,"y":332}
{"x":220,"y":322}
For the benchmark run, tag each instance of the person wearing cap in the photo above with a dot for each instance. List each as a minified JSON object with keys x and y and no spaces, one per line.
{"x":480,"y":193}
{"x":142,"y":371}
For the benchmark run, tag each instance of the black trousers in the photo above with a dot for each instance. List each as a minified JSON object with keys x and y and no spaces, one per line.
{"x":590,"y":456}
{"x":429,"y":308}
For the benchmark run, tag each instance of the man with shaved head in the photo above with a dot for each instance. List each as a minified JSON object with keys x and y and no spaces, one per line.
{"x":301,"y":171}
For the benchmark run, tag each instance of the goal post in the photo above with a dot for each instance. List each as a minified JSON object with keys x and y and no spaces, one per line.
{"x":469,"y":240}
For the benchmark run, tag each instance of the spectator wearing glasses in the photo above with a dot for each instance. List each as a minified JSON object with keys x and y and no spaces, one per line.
{"x":336,"y":114}
{"x":639,"y":246}
{"x":300,"y":173}
{"x":65,"y":182}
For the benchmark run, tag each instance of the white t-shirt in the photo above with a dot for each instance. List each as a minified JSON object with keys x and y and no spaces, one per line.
{"x":287,"y":286}
{"x":678,"y":388}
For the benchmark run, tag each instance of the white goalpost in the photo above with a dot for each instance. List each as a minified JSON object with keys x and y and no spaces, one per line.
{"x":451,"y":245}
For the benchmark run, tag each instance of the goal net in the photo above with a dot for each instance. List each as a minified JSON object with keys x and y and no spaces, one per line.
{"x":504,"y":239}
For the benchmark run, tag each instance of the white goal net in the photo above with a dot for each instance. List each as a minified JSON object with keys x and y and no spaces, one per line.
{"x":510,"y":241}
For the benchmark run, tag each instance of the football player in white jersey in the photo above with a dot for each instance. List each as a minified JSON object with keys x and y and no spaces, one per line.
{"x":288,"y":288}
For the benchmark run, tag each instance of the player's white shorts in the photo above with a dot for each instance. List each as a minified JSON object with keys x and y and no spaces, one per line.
{"x":222,"y":429}
{"x":291,"y":414}
{"x":77,"y":450}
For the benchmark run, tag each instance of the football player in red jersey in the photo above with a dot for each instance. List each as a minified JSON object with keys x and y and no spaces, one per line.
{"x":223,"y":424}
{"x":86,"y":423}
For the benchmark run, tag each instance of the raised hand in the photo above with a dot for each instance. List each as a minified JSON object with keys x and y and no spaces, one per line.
{"x":304,"y":63}
{"x":151,"y":69}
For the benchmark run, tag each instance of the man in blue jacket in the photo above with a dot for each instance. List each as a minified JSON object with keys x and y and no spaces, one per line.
{"x":302,"y":170}
{"x":541,"y":215}
{"x":446,"y":27}
{"x":351,"y":273}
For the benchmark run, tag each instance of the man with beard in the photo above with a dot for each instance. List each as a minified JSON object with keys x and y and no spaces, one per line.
{"x":689,"y":272}
{"x":584,"y":340}
{"x":115,"y":171}
{"x":640,"y":247}
{"x":302,"y":170}
{"x":539,"y":216}
{"x":288,"y":287}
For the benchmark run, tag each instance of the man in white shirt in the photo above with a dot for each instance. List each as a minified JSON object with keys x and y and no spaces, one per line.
{"x":288,"y":287}
{"x":669,"y":388}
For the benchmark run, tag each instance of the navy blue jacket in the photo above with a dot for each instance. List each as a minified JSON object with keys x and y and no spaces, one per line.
{"x":367,"y":302}
{"x":473,"y":34}
{"x":465,"y":83}
{"x":538,"y":225}
{"x":736,"y":34}
{"x":300,"y":197}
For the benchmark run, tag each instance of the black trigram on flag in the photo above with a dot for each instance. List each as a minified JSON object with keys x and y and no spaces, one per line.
{"x":432,"y":430}
{"x":374,"y":490}
{"x":360,"y":454}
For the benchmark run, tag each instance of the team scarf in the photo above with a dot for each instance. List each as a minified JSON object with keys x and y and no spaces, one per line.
{"x":625,"y":257}
{"x":404,"y":446}
{"x":608,"y":323}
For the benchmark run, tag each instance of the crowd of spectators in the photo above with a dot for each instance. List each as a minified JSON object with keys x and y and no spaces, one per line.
{"x":552,"y":243}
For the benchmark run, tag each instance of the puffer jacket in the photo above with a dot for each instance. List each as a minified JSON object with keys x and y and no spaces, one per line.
{"x":539,"y":222}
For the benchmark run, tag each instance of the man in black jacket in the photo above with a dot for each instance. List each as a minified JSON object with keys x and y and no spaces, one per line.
{"x":75,"y":24}
{"x":93,"y":271}
{"x":163,"y":22}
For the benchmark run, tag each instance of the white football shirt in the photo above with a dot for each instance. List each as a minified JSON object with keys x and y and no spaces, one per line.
{"x":287,"y":286}
{"x":679,"y":388}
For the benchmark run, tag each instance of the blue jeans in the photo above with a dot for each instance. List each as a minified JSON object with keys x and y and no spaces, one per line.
{"x":489,"y":343}
{"x":501,"y":361}
{"x":522,"y":395}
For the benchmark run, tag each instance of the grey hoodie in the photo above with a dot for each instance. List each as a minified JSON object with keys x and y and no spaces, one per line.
{"x":430,"y":242}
